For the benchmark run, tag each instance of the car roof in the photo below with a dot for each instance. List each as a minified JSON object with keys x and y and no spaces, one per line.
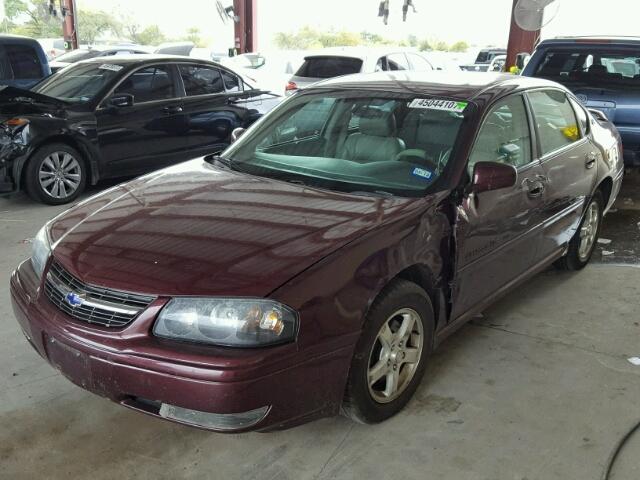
{"x":592,"y":40}
{"x":17,"y":38}
{"x":358,"y":52}
{"x":455,"y":85}
{"x":144,"y":58}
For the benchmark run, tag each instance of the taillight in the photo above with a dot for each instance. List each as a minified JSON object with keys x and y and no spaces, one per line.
{"x":290,"y":88}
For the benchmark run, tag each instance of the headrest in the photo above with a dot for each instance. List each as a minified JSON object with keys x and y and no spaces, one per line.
{"x":595,"y":68}
{"x":382,"y":125}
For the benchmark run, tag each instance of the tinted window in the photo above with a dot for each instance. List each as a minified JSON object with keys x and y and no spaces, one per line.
{"x":231,"y":82}
{"x":504,"y":136}
{"x":596,"y":66}
{"x":24,"y":61}
{"x":148,"y":84}
{"x":79,"y":83}
{"x":201,"y":80}
{"x":398,"y":61}
{"x":329,"y":67}
{"x":555,"y":120}
{"x":393,"y":146}
{"x":419,"y":64}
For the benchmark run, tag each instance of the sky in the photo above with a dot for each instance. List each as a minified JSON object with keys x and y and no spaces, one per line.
{"x":479,"y":22}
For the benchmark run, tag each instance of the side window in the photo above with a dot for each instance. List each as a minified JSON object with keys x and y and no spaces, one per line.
{"x":583,"y":118}
{"x":231,"y":82}
{"x":201,"y":80}
{"x":398,"y":61}
{"x":381,"y":64}
{"x":24,"y":61}
{"x":504,"y":136}
{"x":418,"y":63}
{"x":555,"y":119}
{"x":148,"y":84}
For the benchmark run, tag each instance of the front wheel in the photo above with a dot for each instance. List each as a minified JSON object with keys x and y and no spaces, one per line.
{"x":390,"y":357}
{"x":583,"y":243}
{"x":55,"y":174}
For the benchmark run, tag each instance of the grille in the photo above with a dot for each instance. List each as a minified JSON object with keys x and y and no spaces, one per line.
{"x":96,"y":305}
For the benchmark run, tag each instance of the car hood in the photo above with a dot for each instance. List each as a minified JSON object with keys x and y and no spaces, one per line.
{"x":195,"y":229}
{"x":17,"y":101}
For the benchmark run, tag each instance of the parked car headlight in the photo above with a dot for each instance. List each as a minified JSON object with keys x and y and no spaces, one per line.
{"x":40,"y":250}
{"x":227,"y":322}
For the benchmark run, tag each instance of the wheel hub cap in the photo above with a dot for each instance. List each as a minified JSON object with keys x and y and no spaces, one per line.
{"x":60,"y":175}
{"x":589,"y":231}
{"x":395,"y":355}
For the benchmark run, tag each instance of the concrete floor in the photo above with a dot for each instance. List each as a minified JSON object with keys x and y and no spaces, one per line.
{"x":539,"y":388}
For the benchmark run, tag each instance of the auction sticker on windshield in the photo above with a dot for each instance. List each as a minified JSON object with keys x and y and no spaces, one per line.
{"x":110,"y":66}
{"x":439,"y":104}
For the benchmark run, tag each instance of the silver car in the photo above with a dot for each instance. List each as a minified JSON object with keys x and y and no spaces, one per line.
{"x":335,"y":62}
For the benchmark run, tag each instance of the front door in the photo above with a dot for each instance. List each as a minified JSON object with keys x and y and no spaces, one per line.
{"x":147,"y":135}
{"x":569,"y":159}
{"x":497,"y":232}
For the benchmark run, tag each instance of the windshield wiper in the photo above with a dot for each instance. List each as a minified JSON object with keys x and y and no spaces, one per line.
{"x":373,"y":193}
{"x":218,"y":159}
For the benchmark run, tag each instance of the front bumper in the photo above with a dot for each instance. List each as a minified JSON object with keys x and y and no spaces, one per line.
{"x":227,"y":382}
{"x":12,"y":159}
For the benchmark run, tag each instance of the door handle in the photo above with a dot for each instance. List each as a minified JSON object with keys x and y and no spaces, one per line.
{"x":591,"y":160}
{"x":535,"y":188}
{"x":172,"y":110}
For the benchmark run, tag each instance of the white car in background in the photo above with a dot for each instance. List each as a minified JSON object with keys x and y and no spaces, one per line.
{"x":335,"y":62}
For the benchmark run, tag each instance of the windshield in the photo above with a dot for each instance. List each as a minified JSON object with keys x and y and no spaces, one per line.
{"x":591,"y":67}
{"x":75,"y":56}
{"x":377,"y":143}
{"x":79,"y":83}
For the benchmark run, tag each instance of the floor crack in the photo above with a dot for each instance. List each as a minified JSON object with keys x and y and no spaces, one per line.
{"x":555,"y":342}
{"x":335,"y":451}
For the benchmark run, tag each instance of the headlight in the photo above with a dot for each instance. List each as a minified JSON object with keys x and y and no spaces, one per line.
{"x":40,"y":250}
{"x":227,"y":322}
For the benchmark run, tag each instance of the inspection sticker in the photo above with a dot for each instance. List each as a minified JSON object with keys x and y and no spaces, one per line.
{"x":439,"y":104}
{"x":110,"y":66}
{"x":423,"y":173}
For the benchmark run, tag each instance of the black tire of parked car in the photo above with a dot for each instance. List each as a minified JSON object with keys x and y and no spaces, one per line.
{"x":358,"y":403}
{"x":572,"y":261}
{"x":31,"y":174}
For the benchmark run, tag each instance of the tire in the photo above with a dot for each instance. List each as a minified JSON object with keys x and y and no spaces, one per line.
{"x":579,"y":254}
{"x":55,"y":174}
{"x":398,"y":302}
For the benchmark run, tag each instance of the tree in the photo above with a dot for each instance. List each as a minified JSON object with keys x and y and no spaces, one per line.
{"x":93,"y":24}
{"x":440,"y":46}
{"x":151,"y":35}
{"x":39,"y":22}
{"x":460,"y":46}
{"x":193,"y":35}
{"x":425,"y":46}
{"x":413,"y":41}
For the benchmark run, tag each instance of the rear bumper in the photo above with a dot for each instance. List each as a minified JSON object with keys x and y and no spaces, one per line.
{"x":306,"y":389}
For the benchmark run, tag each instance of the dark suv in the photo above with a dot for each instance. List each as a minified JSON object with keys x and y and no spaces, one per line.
{"x":603,"y":73}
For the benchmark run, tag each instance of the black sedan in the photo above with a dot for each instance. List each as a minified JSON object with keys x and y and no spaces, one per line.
{"x":117,"y":117}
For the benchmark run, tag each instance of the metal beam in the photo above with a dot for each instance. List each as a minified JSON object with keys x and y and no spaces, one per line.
{"x":70,"y":25}
{"x":519,"y":40}
{"x":246,"y":28}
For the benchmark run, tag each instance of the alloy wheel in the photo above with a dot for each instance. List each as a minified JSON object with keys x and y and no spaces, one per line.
{"x":60,"y":175}
{"x":395,"y":355}
{"x":589,"y":231}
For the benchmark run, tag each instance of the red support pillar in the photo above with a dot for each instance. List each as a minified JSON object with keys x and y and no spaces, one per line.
{"x":246,"y":29}
{"x":519,"y":40}
{"x":70,"y":25}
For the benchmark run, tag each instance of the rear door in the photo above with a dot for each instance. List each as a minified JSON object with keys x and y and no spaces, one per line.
{"x":214,"y":105}
{"x":498,"y":232}
{"x":569,"y":159}
{"x":148,"y":135}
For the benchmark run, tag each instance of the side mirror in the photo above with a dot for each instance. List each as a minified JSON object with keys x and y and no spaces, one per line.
{"x":489,"y":176}
{"x":121,"y":100}
{"x":237,"y":133}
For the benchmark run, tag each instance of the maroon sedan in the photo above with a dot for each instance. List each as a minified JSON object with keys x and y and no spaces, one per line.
{"x":315,"y":265}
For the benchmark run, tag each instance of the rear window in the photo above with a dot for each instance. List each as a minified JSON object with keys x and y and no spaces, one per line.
{"x":19,"y":62}
{"x":329,"y":67}
{"x":586,"y":66}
